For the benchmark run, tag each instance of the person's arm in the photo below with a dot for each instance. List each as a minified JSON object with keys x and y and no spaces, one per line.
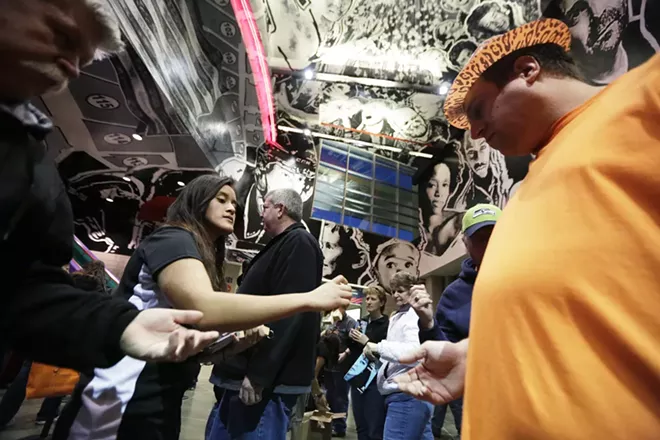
{"x":298,"y":267}
{"x":49,"y":320}
{"x":391,"y":351}
{"x":440,"y":376}
{"x":435,"y":333}
{"x":187,"y":286}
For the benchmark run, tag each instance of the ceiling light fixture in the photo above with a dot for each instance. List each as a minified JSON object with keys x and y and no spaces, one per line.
{"x":340,"y":139}
{"x":137,"y":137}
{"x":108,"y":199}
{"x":420,"y":154}
{"x":180,"y":183}
{"x":126,"y":178}
{"x":309,"y":73}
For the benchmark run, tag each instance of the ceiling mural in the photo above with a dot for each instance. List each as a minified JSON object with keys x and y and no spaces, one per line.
{"x":392,"y":117}
{"x":121,"y":149}
{"x":418,"y":42}
{"x":197,"y":57}
{"x":125,"y":155}
{"x":182,"y":101}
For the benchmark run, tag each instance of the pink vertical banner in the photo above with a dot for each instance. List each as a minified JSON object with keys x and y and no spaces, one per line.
{"x":257,"y":58}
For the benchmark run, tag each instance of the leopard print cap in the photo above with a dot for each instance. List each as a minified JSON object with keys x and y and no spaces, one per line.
{"x":545,"y":30}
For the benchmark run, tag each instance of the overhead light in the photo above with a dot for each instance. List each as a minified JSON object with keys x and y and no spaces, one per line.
{"x":307,"y":132}
{"x":337,"y":138}
{"x":309,"y":73}
{"x":137,"y":137}
{"x":420,"y":154}
{"x":180,"y":183}
{"x":387,"y":148}
{"x":126,"y":178}
{"x":443,"y":89}
{"x":108,"y":199}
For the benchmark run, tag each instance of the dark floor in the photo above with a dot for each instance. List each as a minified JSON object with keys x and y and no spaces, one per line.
{"x":195,"y":411}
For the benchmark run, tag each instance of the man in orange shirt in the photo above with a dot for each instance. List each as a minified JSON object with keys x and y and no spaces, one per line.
{"x":565,"y":335}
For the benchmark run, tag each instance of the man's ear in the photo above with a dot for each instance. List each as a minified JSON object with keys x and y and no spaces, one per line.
{"x":527,"y":67}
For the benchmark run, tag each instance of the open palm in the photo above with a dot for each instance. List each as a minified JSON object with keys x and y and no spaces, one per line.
{"x":159,"y":335}
{"x":440,"y":376}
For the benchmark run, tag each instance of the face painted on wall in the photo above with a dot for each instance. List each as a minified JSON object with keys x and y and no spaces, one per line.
{"x":597,"y":27}
{"x":331,"y":249}
{"x":454,"y":6}
{"x":335,"y":10}
{"x":437,"y":188}
{"x":407,"y":122}
{"x":477,"y":153}
{"x":285,"y":175}
{"x":395,"y":258}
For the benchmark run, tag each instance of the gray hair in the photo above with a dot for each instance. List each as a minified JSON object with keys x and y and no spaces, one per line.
{"x":288,"y":198}
{"x":109,"y":29}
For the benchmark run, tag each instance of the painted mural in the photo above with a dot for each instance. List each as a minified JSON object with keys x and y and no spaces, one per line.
{"x":610,"y":37}
{"x":182,"y":102}
{"x":363,"y":258}
{"x":394,"y":117}
{"x":417,"y":42}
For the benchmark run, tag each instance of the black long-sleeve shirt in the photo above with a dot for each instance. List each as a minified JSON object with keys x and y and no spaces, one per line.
{"x":291,"y":262}
{"x":42,"y":315}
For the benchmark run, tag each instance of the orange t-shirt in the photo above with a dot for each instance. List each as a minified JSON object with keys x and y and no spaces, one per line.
{"x":565,"y":335}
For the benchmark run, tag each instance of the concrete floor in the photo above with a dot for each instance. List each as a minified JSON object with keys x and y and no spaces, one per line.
{"x":194,"y":414}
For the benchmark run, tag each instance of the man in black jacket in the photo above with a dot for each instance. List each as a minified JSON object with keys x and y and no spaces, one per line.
{"x":42,"y":315}
{"x":262,"y":386}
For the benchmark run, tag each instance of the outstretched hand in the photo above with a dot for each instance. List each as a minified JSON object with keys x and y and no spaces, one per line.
{"x":423,"y":306}
{"x":331,"y":295}
{"x":440,"y":376}
{"x":158,"y":335}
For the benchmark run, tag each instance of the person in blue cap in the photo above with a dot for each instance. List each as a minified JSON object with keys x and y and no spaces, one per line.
{"x":452,"y":317}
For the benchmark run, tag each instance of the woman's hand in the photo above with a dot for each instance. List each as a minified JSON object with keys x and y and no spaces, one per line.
{"x":329,"y":296}
{"x":358,"y":336}
{"x":371,"y":351}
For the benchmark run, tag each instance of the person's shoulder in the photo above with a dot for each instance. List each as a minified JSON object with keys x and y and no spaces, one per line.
{"x":300,"y":236}
{"x":169,"y":240}
{"x":169,"y":232}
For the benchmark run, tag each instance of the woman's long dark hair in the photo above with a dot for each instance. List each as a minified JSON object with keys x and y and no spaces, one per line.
{"x":189,"y":212}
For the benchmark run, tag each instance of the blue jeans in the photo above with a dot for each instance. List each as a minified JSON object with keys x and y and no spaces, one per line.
{"x":369,"y":412}
{"x":440,"y":413}
{"x":337,"y":395}
{"x":407,"y":418}
{"x":15,"y":395}
{"x":230,"y":419}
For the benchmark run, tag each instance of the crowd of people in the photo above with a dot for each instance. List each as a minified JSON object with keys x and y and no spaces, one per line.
{"x":563,"y":334}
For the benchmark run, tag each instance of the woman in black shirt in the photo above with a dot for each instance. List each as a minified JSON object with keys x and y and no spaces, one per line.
{"x":368,"y":404}
{"x":178,"y":266}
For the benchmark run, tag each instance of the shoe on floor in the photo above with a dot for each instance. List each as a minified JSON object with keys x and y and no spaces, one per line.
{"x":338,"y":434}
{"x":41,"y":421}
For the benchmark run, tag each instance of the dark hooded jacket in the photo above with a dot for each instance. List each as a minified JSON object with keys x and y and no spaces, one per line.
{"x":452,"y":317}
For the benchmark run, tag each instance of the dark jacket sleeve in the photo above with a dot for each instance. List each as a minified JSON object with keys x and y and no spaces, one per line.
{"x":437,"y":333}
{"x":48,"y":320}
{"x":297,"y":269}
